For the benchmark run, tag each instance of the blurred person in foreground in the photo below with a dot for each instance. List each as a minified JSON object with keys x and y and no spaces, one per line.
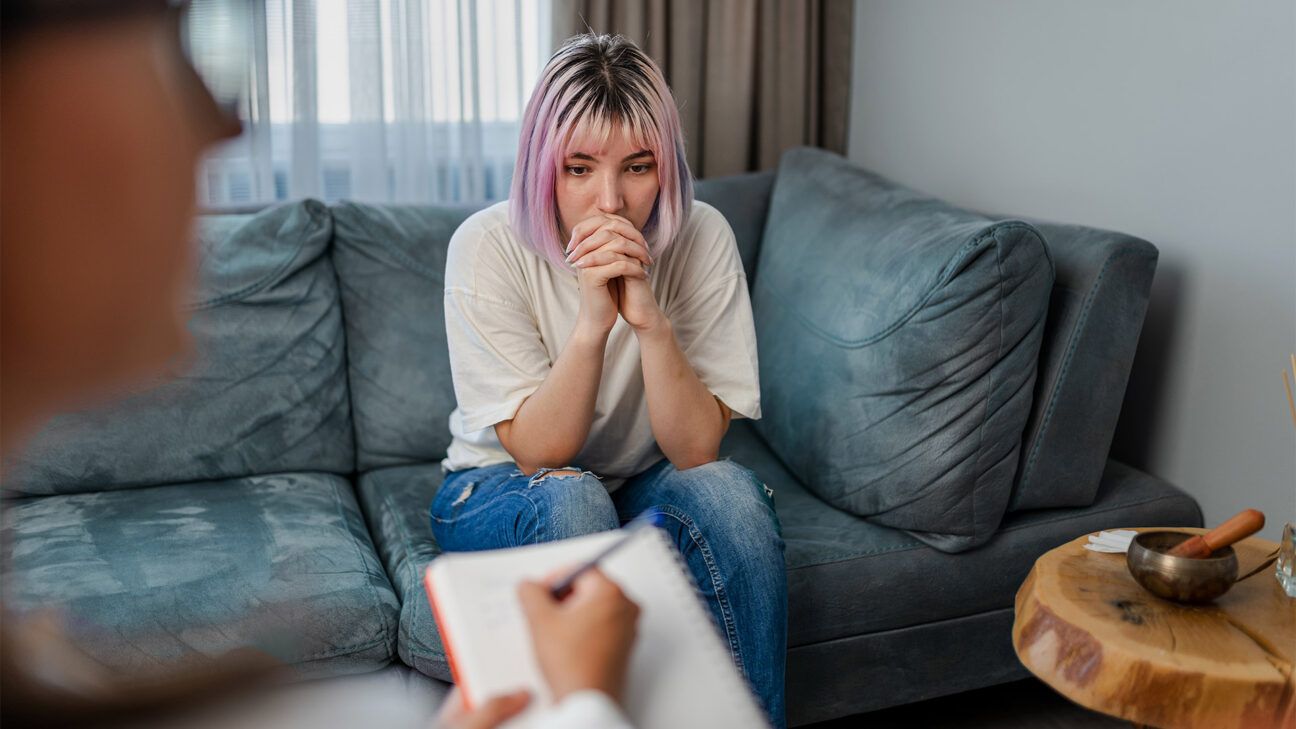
{"x":104,"y":122}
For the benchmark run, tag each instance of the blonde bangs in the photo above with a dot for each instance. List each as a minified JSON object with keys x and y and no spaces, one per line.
{"x":591,"y":132}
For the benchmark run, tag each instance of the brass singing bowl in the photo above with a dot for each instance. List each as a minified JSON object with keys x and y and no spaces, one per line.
{"x":1181,"y":579}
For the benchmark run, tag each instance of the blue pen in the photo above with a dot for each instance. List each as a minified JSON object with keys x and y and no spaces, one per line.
{"x":561,"y":590}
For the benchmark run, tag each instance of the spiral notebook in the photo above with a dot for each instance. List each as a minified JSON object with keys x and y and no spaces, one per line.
{"x":681,"y":674}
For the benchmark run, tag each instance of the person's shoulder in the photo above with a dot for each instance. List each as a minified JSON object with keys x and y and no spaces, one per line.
{"x":705,"y":218}
{"x":489,"y":222}
{"x":484,"y":240}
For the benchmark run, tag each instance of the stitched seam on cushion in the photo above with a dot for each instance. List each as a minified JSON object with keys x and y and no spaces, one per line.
{"x":993,"y":611}
{"x":408,"y":565}
{"x":990,"y":390}
{"x":345,"y":364}
{"x":346,"y":649}
{"x":1058,"y":386}
{"x":947,"y":274}
{"x":373,"y":592}
{"x":391,"y":248}
{"x":261,"y":283}
{"x":870,"y":552}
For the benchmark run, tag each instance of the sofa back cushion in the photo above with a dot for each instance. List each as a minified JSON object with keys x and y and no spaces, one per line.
{"x":391,"y":261}
{"x":744,"y":201}
{"x":898,"y":339}
{"x":264,"y":391}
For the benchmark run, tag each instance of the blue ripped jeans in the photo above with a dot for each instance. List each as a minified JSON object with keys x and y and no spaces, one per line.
{"x":720,"y":515}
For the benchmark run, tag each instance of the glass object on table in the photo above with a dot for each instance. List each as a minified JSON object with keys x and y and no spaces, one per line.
{"x":1285,"y":566}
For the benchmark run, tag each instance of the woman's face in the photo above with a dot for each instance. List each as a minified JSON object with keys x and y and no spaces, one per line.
{"x":619,"y":179}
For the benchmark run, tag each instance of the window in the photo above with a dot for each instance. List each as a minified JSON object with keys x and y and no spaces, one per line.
{"x":382,"y":101}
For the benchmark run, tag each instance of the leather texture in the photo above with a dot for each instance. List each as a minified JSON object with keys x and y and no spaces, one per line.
{"x":264,"y":391}
{"x":151,"y":576}
{"x":1095,"y":317}
{"x":390,"y":262}
{"x":838,"y":564}
{"x":898,"y":339}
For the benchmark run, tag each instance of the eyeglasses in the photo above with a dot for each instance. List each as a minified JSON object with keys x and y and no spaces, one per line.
{"x":213,"y":36}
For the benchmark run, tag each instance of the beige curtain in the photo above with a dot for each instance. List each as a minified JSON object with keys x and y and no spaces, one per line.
{"x":751,"y":77}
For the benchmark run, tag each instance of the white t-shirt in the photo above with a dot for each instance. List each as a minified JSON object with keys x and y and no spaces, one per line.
{"x":509,"y":313}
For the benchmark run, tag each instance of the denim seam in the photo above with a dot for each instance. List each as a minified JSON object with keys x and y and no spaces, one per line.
{"x":722,"y":596}
{"x":373,"y":592}
{"x":947,"y":274}
{"x":535,"y":513}
{"x":847,"y":556}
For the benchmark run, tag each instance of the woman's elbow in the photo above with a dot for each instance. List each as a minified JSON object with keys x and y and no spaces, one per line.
{"x":685,"y":461}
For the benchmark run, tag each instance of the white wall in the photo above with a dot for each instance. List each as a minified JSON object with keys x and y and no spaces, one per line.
{"x":1171,"y":120}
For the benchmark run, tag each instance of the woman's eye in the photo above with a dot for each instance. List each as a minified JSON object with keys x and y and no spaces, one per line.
{"x":577,"y":170}
{"x":640,"y":169}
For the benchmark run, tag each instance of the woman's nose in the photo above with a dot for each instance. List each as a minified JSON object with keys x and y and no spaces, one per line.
{"x":609,"y":196}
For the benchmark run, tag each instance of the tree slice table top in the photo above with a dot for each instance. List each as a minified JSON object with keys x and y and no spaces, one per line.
{"x":1086,"y":628}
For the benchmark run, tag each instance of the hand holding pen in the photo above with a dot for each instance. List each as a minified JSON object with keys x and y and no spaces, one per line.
{"x":583,"y":626}
{"x":563,"y":587}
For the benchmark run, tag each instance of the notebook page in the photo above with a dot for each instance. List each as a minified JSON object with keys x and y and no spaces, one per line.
{"x":681,"y":674}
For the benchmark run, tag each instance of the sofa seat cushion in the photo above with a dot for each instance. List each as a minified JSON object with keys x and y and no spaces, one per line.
{"x":265,"y":388}
{"x":848,"y":576}
{"x":396,"y":502}
{"x":150,"y":576}
{"x":898,"y":339}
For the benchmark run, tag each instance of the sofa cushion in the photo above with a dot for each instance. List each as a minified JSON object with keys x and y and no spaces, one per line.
{"x":1095,"y":316}
{"x":151,"y":576}
{"x":744,"y":202}
{"x":390,"y":262}
{"x":396,"y":502}
{"x":837,"y":562}
{"x":898,"y":339}
{"x":848,"y":576}
{"x":264,"y":391}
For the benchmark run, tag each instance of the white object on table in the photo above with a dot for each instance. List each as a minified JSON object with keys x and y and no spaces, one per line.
{"x":1116,"y":541}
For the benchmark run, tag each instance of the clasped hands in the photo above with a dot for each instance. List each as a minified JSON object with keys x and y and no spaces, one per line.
{"x":611,"y":259}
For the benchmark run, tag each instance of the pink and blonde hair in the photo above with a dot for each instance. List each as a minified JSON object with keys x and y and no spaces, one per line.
{"x":590,"y":86}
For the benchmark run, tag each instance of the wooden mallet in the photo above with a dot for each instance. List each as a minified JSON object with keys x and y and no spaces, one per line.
{"x":1239,"y":527}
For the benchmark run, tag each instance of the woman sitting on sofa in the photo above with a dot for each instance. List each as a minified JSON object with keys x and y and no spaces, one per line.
{"x":601,"y":338}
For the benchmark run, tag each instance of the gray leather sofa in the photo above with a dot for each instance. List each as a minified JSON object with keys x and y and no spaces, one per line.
{"x":276,"y":493}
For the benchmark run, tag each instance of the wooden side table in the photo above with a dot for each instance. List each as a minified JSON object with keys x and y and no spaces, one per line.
{"x":1084,"y":627}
